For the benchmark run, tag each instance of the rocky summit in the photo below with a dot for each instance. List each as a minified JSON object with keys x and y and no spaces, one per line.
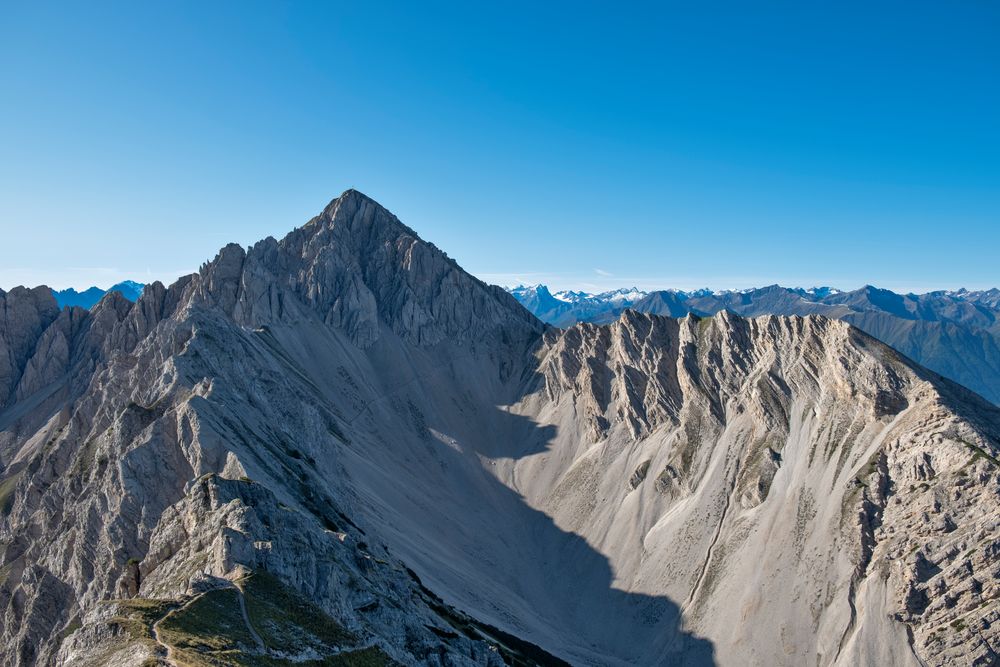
{"x":340,"y":448}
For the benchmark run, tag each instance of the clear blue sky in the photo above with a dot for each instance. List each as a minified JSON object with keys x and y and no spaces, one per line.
{"x":582,"y":145}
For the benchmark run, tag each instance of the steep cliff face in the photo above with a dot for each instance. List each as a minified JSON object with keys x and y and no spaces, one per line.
{"x":50,"y":355}
{"x":25,"y":314}
{"x":802,"y":491}
{"x":339,"y":446}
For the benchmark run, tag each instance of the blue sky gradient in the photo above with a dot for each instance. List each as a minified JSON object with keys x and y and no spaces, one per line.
{"x":584,"y":145}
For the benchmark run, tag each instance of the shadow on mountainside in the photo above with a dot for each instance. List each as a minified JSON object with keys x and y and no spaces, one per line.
{"x":421,"y":426}
{"x":295,"y":357}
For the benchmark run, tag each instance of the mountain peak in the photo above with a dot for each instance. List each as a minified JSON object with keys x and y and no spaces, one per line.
{"x":352,"y":200}
{"x":361,"y":270}
{"x":351,"y":194}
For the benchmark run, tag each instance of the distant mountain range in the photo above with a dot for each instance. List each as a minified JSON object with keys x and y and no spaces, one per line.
{"x":956,"y":333}
{"x":88,"y":298}
{"x":563,"y":309}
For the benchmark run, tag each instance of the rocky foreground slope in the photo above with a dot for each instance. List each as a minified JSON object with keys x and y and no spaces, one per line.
{"x":341,"y":448}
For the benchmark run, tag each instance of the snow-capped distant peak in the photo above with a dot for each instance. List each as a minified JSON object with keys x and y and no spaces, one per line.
{"x":524,"y":289}
{"x":569,"y":296}
{"x":622,"y":294}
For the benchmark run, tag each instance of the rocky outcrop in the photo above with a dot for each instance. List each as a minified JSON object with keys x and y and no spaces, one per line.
{"x":24,"y":315}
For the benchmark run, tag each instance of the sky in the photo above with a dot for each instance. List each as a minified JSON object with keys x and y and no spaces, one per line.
{"x":582,"y":145}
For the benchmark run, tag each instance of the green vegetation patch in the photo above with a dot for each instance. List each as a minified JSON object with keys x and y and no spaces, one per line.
{"x":287,"y":621}
{"x":869,"y":468}
{"x":136,"y":616}
{"x":70,"y":628}
{"x":5,"y":573}
{"x":7,"y":487}
{"x":366,"y":657}
{"x":211,"y":624}
{"x":979,"y":453}
{"x":211,"y":631}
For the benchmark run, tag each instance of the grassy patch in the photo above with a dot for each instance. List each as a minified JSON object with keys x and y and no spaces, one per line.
{"x":366,"y":657}
{"x":288,"y":622}
{"x":212,"y":624}
{"x":136,"y":616}
{"x":211,"y":630}
{"x":869,"y":468}
{"x":86,"y":457}
{"x":7,"y":493}
{"x":73,"y":626}
{"x":978,"y":453}
{"x":5,"y":573}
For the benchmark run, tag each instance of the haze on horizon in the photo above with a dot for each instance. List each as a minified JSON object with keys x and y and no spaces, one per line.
{"x":680,"y":147}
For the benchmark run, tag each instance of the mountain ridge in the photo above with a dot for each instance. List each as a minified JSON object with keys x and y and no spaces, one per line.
{"x":956,"y":333}
{"x":351,"y":421}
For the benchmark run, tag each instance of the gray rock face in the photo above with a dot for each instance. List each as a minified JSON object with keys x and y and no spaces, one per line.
{"x":342,"y":438}
{"x":809,"y":491}
{"x":24,"y":316}
{"x":360,"y":268}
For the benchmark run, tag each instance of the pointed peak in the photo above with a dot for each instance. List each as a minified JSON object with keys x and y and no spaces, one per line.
{"x":351,"y":193}
{"x":349,"y":197}
{"x":354,"y":210}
